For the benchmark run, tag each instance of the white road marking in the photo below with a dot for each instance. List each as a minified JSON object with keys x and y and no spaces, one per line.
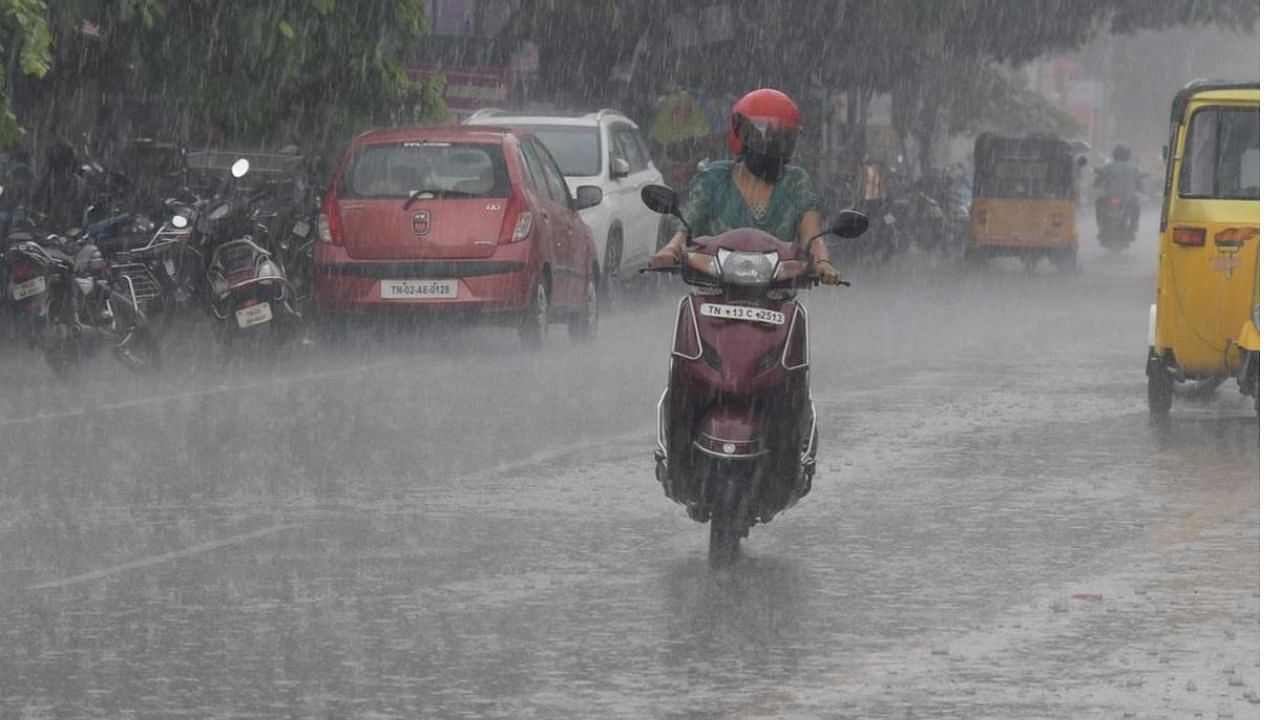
{"x":491,"y":471}
{"x":174,"y":397}
{"x":164,"y":557}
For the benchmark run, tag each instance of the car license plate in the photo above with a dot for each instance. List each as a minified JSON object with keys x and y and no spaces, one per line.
{"x":34,"y":286}
{"x":254,"y":315}
{"x":419,"y":289}
{"x":743,"y":312}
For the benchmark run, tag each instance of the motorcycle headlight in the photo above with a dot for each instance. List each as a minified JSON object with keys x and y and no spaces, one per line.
{"x":747,"y":268}
{"x":179,"y":221}
{"x":1254,"y":316}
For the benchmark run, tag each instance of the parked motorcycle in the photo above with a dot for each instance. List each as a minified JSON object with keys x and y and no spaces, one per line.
{"x":147,"y":258}
{"x":248,"y":293}
{"x":737,"y":430}
{"x":76,"y":305}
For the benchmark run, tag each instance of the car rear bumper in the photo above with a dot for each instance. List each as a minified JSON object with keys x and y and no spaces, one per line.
{"x":500,"y":284}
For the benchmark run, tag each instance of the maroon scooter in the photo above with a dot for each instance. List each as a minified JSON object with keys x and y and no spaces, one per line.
{"x":737,"y":432}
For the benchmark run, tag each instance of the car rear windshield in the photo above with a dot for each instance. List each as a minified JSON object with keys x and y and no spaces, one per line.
{"x":448,"y":169}
{"x":575,"y":149}
{"x":1221,"y":159}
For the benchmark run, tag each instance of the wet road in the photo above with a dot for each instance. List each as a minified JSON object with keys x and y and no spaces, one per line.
{"x":434,"y":524}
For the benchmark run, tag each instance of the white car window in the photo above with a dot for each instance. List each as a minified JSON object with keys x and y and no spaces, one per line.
{"x":637,"y":153}
{"x":575,"y":149}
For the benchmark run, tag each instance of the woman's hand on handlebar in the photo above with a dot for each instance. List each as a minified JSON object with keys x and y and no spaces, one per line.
{"x":669,"y":255}
{"x":826,"y":272}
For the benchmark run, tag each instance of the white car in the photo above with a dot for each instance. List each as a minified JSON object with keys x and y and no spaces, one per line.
{"x":604,"y":149}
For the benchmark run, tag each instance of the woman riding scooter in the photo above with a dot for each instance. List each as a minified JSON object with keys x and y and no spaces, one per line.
{"x":761,"y":189}
{"x":737,"y":428}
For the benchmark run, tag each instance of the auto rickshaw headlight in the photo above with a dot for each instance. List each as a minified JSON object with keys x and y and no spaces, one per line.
{"x":1254,"y":316}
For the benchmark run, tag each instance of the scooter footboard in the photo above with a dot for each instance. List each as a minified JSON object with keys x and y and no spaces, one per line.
{"x":731,"y":433}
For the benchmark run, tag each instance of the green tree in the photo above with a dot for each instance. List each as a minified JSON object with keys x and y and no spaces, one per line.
{"x":25,"y":36}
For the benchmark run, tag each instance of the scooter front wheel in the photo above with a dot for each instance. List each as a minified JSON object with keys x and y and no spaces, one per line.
{"x":726,"y":537}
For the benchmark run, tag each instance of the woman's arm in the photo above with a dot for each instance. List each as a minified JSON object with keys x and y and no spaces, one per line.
{"x":810,"y":225}
{"x":819,"y":256}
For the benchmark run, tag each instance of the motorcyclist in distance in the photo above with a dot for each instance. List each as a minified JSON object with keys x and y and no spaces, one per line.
{"x":760,"y":189}
{"x":1120,"y":178}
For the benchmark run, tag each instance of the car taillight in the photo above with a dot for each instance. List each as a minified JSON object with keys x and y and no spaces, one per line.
{"x":1117,"y":201}
{"x":518,"y":222}
{"x":524,"y":223}
{"x":1188,"y":236}
{"x":330,"y":228}
{"x":21,"y":270}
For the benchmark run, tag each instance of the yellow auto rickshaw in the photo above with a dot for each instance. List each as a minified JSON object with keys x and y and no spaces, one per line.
{"x":1024,"y":200}
{"x":1204,"y":323}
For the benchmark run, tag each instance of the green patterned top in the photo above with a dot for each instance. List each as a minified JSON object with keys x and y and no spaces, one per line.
{"x":714,"y":204}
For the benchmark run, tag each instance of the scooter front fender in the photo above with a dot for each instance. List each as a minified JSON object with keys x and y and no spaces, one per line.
{"x":731,"y":432}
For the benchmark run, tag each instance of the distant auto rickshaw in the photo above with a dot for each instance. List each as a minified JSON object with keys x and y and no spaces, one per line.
{"x":1024,"y":200}
{"x":1204,"y":323}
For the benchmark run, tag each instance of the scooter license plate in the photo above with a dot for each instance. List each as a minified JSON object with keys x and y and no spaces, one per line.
{"x":253,"y":315}
{"x":743,"y":312}
{"x":34,"y":286}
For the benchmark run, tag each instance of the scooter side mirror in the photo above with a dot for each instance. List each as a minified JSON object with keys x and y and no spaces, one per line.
{"x":848,"y":224}
{"x":663,"y":200}
{"x":660,"y":199}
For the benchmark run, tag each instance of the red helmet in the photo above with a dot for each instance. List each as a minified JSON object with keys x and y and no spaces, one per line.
{"x":767,"y":121}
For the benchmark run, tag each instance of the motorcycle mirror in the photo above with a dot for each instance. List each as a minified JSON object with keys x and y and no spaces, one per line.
{"x":240,"y":168}
{"x":179,"y":221}
{"x":848,"y":224}
{"x":660,"y":199}
{"x":663,"y":200}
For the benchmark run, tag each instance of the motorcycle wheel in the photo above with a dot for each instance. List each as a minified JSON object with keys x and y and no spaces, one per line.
{"x":59,"y":350}
{"x":139,"y":351}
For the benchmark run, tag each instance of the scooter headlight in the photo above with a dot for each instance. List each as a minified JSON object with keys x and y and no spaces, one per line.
{"x":1254,"y":317}
{"x":747,"y":268}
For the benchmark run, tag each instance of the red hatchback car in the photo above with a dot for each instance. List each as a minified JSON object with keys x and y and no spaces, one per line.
{"x":473,"y":219}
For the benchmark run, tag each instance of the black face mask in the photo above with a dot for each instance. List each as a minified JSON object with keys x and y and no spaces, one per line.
{"x":766,"y":167}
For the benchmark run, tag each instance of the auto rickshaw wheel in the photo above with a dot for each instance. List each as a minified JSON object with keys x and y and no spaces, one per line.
{"x":1159,"y":386}
{"x":1065,"y":260}
{"x":974,"y":259}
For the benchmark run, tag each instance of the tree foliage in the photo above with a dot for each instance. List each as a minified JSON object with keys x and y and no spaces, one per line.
{"x":26,"y":31}
{"x":247,"y":67}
